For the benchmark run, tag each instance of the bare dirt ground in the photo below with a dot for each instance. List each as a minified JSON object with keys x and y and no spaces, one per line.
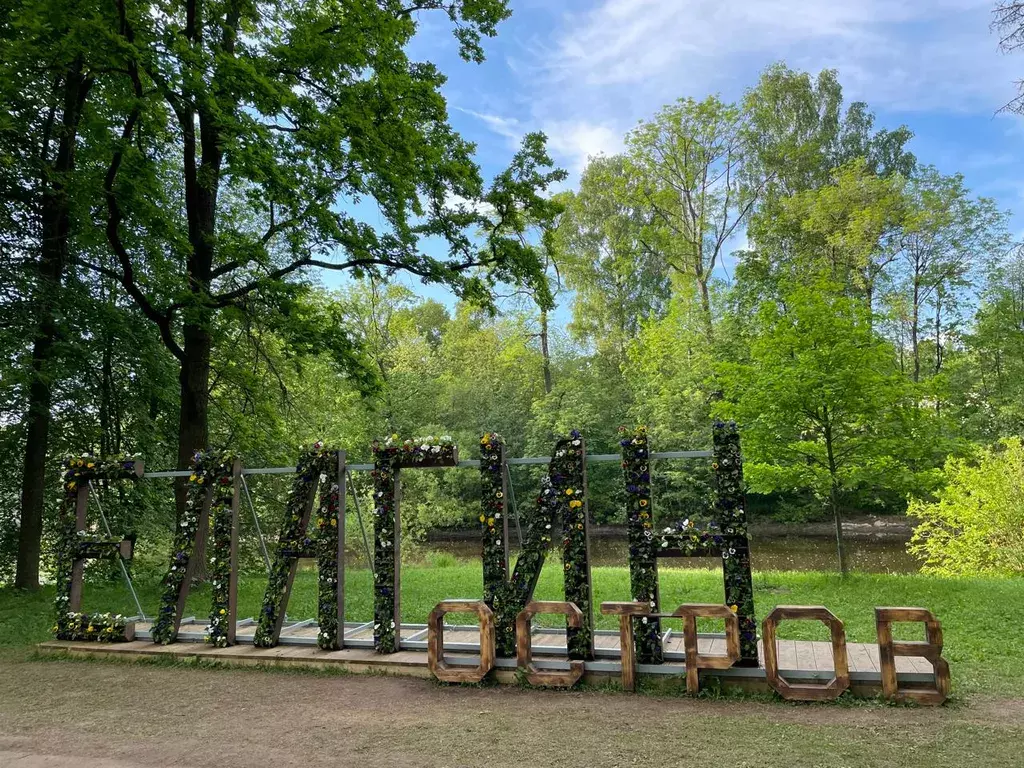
{"x":60,"y":714}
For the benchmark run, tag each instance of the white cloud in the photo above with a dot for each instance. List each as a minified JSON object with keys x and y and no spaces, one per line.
{"x":508,"y":127}
{"x":574,"y":141}
{"x":571,"y":142}
{"x":907,"y":54}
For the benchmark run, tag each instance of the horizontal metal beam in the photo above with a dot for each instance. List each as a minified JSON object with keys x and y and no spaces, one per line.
{"x":469,"y":463}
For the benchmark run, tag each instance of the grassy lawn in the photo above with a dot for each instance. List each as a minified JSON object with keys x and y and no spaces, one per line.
{"x":984,"y":643}
{"x":93,"y":715}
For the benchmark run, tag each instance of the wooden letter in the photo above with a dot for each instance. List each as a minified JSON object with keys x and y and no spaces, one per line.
{"x":627,"y":650}
{"x":524,"y":645}
{"x":435,"y":642}
{"x":806,"y":691}
{"x":930,"y":649}
{"x":694,"y":661}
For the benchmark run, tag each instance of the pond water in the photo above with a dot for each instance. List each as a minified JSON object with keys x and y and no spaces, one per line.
{"x":774,"y":553}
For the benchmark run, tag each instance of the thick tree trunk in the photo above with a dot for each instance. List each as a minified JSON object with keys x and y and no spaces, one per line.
{"x":193,"y":420}
{"x":55,"y":229}
{"x":33,"y":479}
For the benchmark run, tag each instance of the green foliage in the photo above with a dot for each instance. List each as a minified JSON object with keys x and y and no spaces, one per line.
{"x":975,"y":526}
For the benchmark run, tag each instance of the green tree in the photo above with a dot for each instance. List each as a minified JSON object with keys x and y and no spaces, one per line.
{"x":945,"y":235}
{"x":975,"y":525}
{"x":816,"y":398}
{"x":252,"y":134}
{"x":687,"y":166}
{"x":49,"y":54}
{"x":618,"y":282}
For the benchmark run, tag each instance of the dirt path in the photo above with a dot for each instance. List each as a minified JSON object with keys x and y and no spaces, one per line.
{"x":95,"y":715}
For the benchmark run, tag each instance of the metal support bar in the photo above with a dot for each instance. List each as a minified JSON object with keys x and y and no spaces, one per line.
{"x":515,"y":507}
{"x":256,"y":520}
{"x":597,"y":457}
{"x":124,"y":570}
{"x":359,"y":517}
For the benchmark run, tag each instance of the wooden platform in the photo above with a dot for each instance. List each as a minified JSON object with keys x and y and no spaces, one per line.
{"x":798,"y":660}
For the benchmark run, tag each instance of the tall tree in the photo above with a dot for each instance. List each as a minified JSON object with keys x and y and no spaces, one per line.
{"x":618,"y":283}
{"x":688,"y":163}
{"x":1008,"y":23}
{"x":49,"y":56}
{"x":300,"y":110}
{"x":946,"y":234}
{"x":815,"y":398}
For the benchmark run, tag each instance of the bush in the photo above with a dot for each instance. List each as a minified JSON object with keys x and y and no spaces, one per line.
{"x":976,"y":525}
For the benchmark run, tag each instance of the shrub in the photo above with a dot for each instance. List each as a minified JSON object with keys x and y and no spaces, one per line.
{"x":976,"y":523}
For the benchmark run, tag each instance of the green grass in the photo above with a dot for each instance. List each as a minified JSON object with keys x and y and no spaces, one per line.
{"x":984,"y":641}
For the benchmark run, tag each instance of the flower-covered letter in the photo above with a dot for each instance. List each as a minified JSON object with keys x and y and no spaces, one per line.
{"x":211,"y":501}
{"x":75,"y":545}
{"x":325,"y":468}
{"x":389,"y":457}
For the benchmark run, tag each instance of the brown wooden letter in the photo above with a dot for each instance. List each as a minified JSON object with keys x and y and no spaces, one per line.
{"x":930,"y":649}
{"x":694,"y":660}
{"x":806,"y":691}
{"x":524,"y":644}
{"x":435,"y":642}
{"x":627,"y":649}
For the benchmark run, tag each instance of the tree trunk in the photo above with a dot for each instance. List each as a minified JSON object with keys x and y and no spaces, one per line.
{"x":833,"y":496}
{"x":915,"y":320}
{"x":545,"y":352}
{"x":840,"y":546}
{"x":705,"y":306}
{"x":55,"y":229}
{"x":193,"y":420}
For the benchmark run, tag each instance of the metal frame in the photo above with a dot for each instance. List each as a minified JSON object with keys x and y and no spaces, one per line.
{"x":598,"y":457}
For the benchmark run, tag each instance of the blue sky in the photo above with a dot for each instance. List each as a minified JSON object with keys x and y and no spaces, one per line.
{"x":586,"y":71}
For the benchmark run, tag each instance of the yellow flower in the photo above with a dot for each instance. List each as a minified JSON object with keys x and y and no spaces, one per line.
{"x":568,"y":491}
{"x":482,"y":518}
{"x":490,"y":521}
{"x":579,"y":526}
{"x":91,"y":464}
{"x":734,"y":608}
{"x":222,"y":611}
{"x":91,"y":628}
{"x":575,"y":503}
{"x":192,"y":477}
{"x":334,"y":522}
{"x":483,"y":440}
{"x":643,"y":502}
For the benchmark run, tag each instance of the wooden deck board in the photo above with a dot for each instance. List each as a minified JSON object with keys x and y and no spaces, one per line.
{"x":860,"y":660}
{"x":792,"y":655}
